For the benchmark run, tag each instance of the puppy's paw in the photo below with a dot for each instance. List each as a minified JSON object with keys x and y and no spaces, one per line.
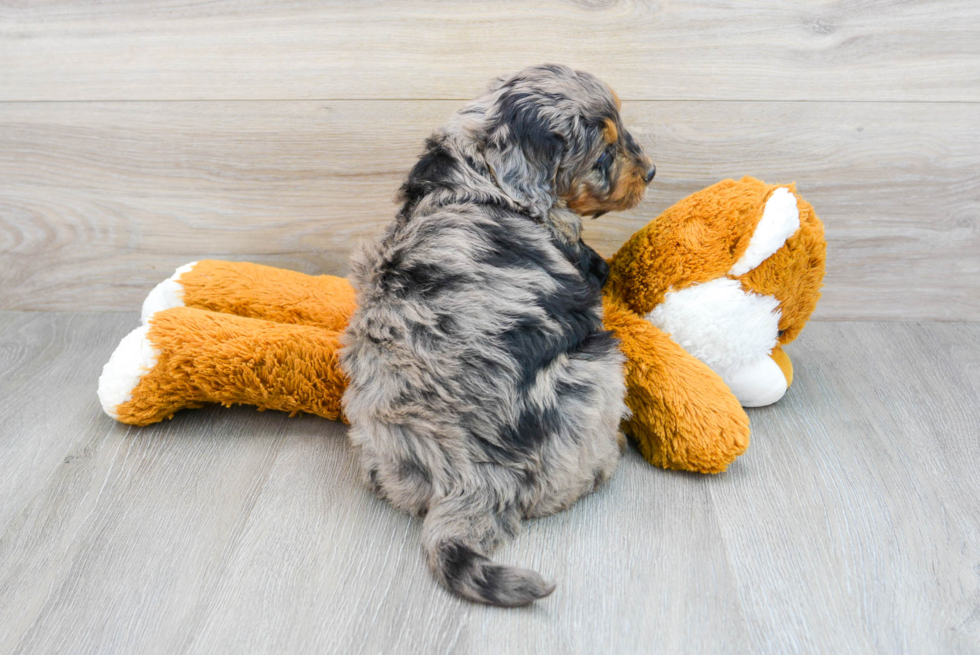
{"x":133,"y":358}
{"x":167,"y":294}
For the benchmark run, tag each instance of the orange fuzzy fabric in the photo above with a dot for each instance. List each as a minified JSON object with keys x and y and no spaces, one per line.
{"x":794,"y":273}
{"x":684,"y":417}
{"x":701,"y":237}
{"x":784,"y":363}
{"x":696,"y":240}
{"x":274,"y":294}
{"x":210,"y":357}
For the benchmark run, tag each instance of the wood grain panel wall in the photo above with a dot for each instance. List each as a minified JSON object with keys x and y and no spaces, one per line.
{"x":439,"y":49}
{"x":136,"y":136}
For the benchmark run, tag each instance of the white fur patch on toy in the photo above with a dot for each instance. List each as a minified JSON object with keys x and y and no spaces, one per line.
{"x":167,"y":294}
{"x":757,"y":383}
{"x":780,"y":220}
{"x":720,"y":323}
{"x":132,"y":358}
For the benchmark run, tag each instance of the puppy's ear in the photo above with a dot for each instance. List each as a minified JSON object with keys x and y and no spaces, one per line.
{"x":523,"y":153}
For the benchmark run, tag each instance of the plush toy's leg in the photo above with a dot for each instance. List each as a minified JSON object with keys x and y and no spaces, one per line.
{"x":684,"y":416}
{"x":185,"y":357}
{"x":256,"y":291}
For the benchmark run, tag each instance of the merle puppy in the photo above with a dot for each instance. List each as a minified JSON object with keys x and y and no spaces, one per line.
{"x":483,"y":387}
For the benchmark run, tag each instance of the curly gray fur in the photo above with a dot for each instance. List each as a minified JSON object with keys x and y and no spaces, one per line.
{"x":483,"y":387}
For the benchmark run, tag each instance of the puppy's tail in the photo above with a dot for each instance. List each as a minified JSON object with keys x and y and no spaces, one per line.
{"x":457,"y":533}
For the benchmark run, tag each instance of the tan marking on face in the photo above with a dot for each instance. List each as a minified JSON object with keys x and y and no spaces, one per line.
{"x":584,"y":202}
{"x":629,"y":189}
{"x":626,"y":193}
{"x":619,"y":105}
{"x":610,"y":132}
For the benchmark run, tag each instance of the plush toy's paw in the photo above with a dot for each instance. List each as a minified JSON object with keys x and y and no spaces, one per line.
{"x":685,"y":418}
{"x":762,"y":382}
{"x":133,"y":358}
{"x":167,"y":294}
{"x":758,"y":383}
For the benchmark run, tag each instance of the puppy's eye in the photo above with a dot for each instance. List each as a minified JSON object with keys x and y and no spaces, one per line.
{"x":602,"y":160}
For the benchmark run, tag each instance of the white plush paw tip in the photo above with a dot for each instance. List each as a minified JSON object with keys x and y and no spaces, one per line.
{"x":130,"y":361}
{"x":757,"y":384}
{"x":167,"y":294}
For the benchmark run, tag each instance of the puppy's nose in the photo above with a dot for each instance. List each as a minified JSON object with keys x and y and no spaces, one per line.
{"x":650,"y":173}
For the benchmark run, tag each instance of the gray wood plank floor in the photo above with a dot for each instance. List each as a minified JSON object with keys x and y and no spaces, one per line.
{"x":851,"y":525}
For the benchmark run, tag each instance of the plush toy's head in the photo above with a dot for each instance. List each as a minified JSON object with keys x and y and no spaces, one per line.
{"x":759,"y":234}
{"x":701,"y":299}
{"x":732,"y":273}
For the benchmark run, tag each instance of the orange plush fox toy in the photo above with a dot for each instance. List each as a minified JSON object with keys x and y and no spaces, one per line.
{"x":702,"y":299}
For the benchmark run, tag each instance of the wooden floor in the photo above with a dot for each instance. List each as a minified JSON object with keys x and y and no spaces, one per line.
{"x":851,"y":525}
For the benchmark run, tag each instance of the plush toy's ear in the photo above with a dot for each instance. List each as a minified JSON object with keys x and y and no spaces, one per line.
{"x":794,"y":272}
{"x":523,"y":152}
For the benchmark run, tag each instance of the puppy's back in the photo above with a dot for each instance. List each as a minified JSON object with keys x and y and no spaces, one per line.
{"x":476,"y":358}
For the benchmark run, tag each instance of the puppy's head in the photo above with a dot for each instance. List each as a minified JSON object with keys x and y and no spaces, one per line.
{"x":551,"y":132}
